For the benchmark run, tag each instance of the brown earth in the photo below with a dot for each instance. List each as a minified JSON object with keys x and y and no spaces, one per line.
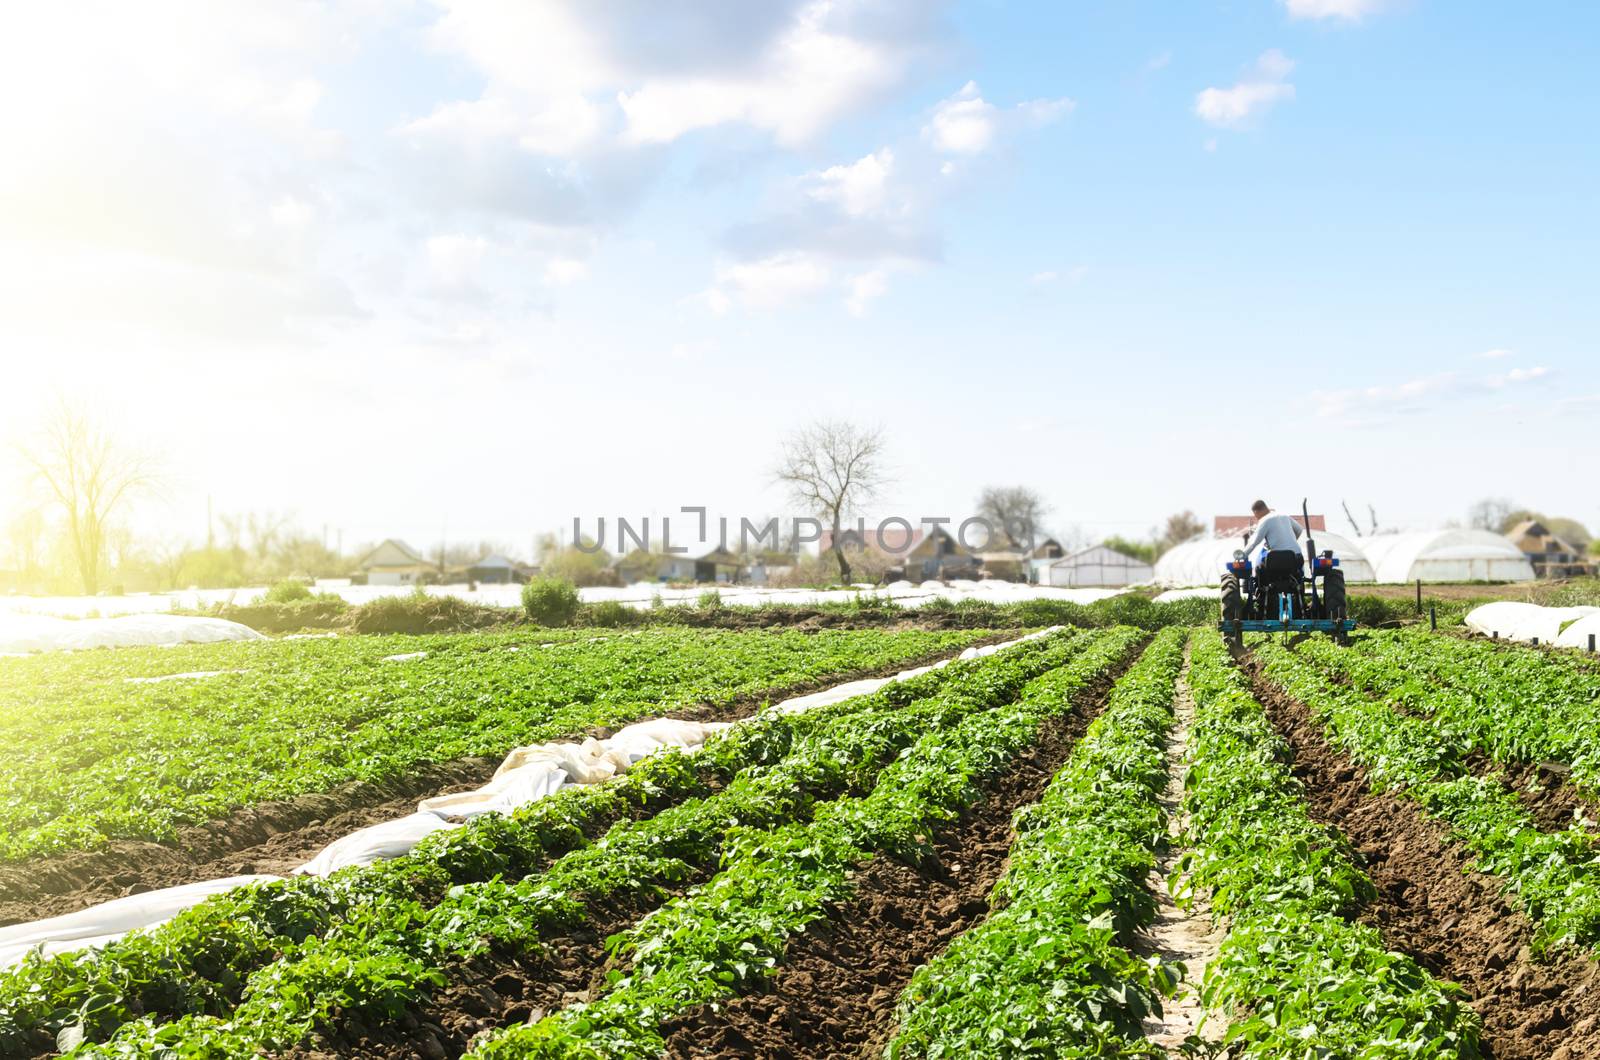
{"x":276,"y":837}
{"x":1451,"y":919}
{"x":1544,"y":789}
{"x":835,"y":992}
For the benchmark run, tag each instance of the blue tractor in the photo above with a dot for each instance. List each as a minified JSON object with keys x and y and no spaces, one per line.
{"x":1256,"y":600}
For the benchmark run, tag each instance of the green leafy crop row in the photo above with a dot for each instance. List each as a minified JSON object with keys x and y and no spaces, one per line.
{"x":1554,"y":875}
{"x":1049,"y":974}
{"x":101,"y":757}
{"x":1514,"y":704}
{"x":389,"y":932}
{"x":1299,"y":979}
{"x":777,"y":879}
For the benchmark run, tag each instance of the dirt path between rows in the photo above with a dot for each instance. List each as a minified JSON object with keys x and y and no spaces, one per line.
{"x":1431,"y":905}
{"x":277,"y":837}
{"x":835,"y":992}
{"x":1178,"y":933}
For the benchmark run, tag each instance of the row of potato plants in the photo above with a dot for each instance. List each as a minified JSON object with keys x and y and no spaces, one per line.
{"x":400,"y":925}
{"x":1517,"y":705}
{"x":1049,"y":973}
{"x":726,"y":935}
{"x":107,"y":759}
{"x":1297,"y":977}
{"x":1555,"y":876}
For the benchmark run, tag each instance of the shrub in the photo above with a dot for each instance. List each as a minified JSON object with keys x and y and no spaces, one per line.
{"x":550,"y":601}
{"x":611,"y":613}
{"x":709,"y":600}
{"x":287,"y":592}
{"x":322,"y":611}
{"x":419,"y":612}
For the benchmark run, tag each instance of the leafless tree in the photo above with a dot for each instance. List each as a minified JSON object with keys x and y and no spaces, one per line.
{"x":1489,"y":514}
{"x":833,"y":467}
{"x":1181,"y":526}
{"x":1015,"y":511}
{"x":90,"y":476}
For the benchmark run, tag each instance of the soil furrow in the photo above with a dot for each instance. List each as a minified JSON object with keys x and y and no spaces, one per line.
{"x":1179,"y":933}
{"x":1434,"y":907}
{"x":835,"y":992}
{"x":277,"y":837}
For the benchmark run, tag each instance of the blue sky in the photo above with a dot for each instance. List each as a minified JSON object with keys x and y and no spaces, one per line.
{"x":482,"y":266}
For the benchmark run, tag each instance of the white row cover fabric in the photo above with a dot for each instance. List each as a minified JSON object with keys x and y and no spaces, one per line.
{"x":33,"y":633}
{"x":527,"y":774}
{"x":108,"y":921}
{"x":1509,"y":620}
{"x":1202,"y":562}
{"x":1447,"y":556}
{"x":1578,"y":633}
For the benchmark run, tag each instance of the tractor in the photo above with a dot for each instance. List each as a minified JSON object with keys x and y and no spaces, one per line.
{"x":1255,"y":600}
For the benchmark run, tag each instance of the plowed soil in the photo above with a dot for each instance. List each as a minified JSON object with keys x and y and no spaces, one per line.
{"x":1433,"y":906}
{"x":835,"y":992}
{"x":277,"y":837}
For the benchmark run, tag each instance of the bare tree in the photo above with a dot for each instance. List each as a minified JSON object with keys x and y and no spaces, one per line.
{"x":1014,"y":510}
{"x":90,"y":476}
{"x":832,"y":467}
{"x":1181,"y":526}
{"x":1489,"y":514}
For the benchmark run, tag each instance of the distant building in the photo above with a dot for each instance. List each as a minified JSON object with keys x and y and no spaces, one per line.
{"x":495,"y":569}
{"x":1049,"y":548}
{"x":396,"y":563}
{"x":1096,"y":566}
{"x":719,"y":565}
{"x":918,"y":555}
{"x":1551,"y":556}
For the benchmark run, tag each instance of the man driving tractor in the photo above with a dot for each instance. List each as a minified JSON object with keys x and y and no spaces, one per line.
{"x":1281,"y":594}
{"x":1281,"y":534}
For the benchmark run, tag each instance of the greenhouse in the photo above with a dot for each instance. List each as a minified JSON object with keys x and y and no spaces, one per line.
{"x":1446,"y":556}
{"x":1201,"y":562}
{"x":1096,"y":566}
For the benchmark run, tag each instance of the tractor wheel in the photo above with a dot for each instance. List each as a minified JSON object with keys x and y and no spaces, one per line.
{"x":1232,"y":605}
{"x":1334,"y":602}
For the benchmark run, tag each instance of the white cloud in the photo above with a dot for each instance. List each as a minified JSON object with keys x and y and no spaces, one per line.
{"x":560,"y":272}
{"x":864,"y":288}
{"x":1262,"y":88}
{"x":787,"y":67}
{"x":771,"y":283}
{"x":1413,"y":395}
{"x":1368,"y":400}
{"x":1350,"y":10}
{"x":857,"y":189}
{"x":967,"y":124}
{"x":1517,"y":375}
{"x":454,"y":260}
{"x":1052,"y":276}
{"x":1493,"y":355}
{"x":964,"y":123}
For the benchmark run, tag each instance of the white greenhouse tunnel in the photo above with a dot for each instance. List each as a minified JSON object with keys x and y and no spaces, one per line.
{"x":1446,"y":556}
{"x":1564,"y":627}
{"x":1202,"y":562}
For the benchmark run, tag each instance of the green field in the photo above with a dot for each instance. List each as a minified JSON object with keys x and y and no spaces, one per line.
{"x":86,"y":754}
